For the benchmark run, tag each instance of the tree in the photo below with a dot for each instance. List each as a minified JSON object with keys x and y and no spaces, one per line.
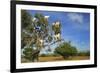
{"x":34,"y":33}
{"x":66,"y":50}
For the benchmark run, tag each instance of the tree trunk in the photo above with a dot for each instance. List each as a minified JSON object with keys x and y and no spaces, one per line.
{"x":35,"y":56}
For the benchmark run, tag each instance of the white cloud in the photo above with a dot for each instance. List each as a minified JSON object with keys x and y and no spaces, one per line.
{"x":75,"y":17}
{"x":79,"y":20}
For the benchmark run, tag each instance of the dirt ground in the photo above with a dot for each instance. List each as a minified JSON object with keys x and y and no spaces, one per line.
{"x":46,"y":59}
{"x":58,"y":58}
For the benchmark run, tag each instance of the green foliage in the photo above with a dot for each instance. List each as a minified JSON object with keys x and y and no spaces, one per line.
{"x":41,"y":19}
{"x":66,"y":50}
{"x":49,"y":55}
{"x":30,"y":54}
{"x":49,"y":38}
{"x":42,"y":22}
{"x":26,"y":19}
{"x":84,"y":53}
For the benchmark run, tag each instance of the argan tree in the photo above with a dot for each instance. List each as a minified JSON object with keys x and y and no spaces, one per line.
{"x":36,"y":34}
{"x":66,"y":50}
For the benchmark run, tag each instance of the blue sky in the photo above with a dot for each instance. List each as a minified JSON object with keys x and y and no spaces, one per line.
{"x":75,"y":26}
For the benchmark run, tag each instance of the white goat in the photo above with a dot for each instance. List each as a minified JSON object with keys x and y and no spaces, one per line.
{"x":34,"y":19}
{"x":56,"y":24}
{"x":46,"y":17}
{"x":57,"y":36}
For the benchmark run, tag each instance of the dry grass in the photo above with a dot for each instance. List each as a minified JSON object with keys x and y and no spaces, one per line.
{"x":45,"y":59}
{"x":59,"y":58}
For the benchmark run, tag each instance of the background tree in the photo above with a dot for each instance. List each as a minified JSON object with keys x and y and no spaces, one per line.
{"x":66,"y":50}
{"x":84,"y":53}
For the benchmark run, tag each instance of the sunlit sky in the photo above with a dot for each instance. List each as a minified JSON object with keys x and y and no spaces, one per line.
{"x":75,"y":26}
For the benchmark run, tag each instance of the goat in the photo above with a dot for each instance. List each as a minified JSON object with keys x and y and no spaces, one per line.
{"x":57,"y":36}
